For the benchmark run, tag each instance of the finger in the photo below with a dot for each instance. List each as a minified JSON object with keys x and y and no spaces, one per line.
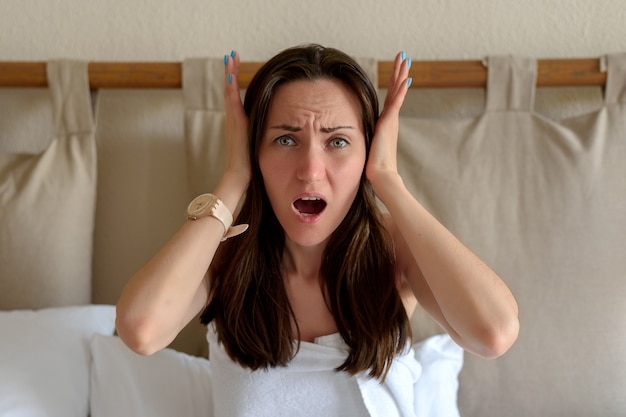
{"x":399,"y":74}
{"x":231,"y":78}
{"x":231,"y":68}
{"x":399,"y":82}
{"x":394,"y":99}
{"x":236,"y":60}
{"x":397,"y":63}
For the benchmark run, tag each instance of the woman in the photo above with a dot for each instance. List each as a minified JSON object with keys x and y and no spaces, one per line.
{"x":310,"y":152}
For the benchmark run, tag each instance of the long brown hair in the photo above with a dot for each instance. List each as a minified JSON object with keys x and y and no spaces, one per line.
{"x":248,"y":301}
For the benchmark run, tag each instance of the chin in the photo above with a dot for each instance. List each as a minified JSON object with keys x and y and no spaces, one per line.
{"x":307,"y":238}
{"x":305,"y":242}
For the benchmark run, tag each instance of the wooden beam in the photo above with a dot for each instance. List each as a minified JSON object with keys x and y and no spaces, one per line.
{"x":426,"y":74}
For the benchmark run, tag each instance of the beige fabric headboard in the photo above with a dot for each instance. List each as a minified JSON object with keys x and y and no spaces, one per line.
{"x":47,"y":194}
{"x":536,"y":192}
{"x":544,"y":203}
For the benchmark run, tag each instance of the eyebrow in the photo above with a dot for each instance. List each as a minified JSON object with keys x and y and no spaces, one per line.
{"x":290,"y":128}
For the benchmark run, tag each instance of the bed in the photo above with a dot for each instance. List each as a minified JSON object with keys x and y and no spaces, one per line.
{"x":95,"y":178}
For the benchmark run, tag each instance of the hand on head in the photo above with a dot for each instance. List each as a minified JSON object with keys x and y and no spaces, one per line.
{"x":236,"y":124}
{"x":382,"y":160}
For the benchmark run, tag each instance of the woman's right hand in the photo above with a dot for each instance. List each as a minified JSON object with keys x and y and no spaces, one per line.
{"x":237,"y":170}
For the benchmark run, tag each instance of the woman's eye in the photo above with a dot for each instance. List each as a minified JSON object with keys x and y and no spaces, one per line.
{"x":338,"y":143}
{"x":285,"y":141}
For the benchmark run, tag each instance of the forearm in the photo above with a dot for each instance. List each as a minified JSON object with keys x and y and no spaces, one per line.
{"x":169,"y":290}
{"x":478,"y":308}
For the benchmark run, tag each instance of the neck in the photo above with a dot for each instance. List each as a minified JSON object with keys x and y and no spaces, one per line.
{"x":303,"y":262}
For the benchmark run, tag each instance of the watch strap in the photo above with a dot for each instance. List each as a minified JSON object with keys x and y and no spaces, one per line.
{"x":235,"y":230}
{"x":218,"y":210}
{"x":221,"y":213}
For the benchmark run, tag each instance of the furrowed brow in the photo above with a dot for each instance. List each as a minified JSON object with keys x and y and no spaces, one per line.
{"x":288,"y":128}
{"x":334,"y":129}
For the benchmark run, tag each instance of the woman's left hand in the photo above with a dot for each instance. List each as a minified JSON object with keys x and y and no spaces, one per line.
{"x":382,"y":161}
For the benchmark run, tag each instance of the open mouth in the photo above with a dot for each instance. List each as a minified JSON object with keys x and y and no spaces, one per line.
{"x":309,"y":206}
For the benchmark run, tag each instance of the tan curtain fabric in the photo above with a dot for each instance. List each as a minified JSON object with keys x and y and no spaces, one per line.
{"x":203,"y":91}
{"x":47,"y":201}
{"x":141,"y":182}
{"x":544,"y":203}
{"x":142,"y":187}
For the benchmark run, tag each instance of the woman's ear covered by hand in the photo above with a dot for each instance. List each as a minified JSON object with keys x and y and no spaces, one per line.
{"x":237,"y":167}
{"x":382,"y":160}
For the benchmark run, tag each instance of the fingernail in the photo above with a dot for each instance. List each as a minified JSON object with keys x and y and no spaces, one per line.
{"x":409,"y":62}
{"x":403,"y":55}
{"x":230,"y":78}
{"x":232,"y":53}
{"x":409,"y":82}
{"x":225,"y":60}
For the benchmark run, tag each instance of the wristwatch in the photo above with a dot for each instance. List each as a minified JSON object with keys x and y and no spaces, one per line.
{"x":210,"y":205}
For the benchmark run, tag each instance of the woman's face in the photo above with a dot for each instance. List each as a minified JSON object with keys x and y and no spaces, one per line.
{"x":312,"y":156}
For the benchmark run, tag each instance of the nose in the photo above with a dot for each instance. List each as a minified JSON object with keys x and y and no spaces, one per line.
{"x":311,"y":166}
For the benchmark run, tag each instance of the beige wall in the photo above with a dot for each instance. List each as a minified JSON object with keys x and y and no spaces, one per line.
{"x":169,"y":30}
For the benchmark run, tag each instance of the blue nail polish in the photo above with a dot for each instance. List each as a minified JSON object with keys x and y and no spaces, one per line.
{"x":409,"y":62}
{"x":403,"y":55}
{"x":230,"y":78}
{"x":409,"y":82}
{"x":232,"y":53}
{"x":225,"y":60}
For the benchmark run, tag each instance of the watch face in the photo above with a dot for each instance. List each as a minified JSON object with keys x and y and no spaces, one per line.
{"x":200,"y":204}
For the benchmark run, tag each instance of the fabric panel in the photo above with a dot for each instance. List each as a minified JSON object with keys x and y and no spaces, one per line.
{"x":543,"y":202}
{"x":616,"y":74}
{"x":47,"y":202}
{"x":516,"y":77}
{"x":142,"y":189}
{"x":203,"y":92}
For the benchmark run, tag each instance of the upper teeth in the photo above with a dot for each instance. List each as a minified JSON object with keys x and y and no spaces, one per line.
{"x":310,"y":198}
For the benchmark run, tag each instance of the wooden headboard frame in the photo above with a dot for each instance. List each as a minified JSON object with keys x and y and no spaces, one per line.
{"x":426,"y":74}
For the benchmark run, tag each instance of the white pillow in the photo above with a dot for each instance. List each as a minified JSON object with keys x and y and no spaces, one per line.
{"x":45,"y":358}
{"x":167,"y":383}
{"x":437,"y":388}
